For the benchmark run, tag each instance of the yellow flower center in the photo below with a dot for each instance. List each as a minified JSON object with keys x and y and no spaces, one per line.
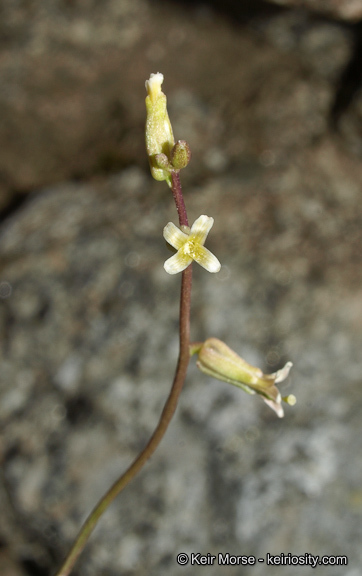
{"x":190,"y":248}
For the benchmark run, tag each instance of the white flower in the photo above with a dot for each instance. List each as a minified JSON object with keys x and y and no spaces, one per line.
{"x":190,"y":246}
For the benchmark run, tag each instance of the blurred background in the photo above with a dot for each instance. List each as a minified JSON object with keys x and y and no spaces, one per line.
{"x":268,"y":95}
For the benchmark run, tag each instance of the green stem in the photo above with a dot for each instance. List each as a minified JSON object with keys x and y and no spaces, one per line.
{"x":166,"y":416}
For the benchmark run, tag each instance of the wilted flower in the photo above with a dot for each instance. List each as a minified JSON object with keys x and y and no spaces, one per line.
{"x":189,"y":244}
{"x":218,"y":360}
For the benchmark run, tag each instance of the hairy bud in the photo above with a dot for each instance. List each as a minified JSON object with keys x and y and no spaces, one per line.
{"x":180,"y":154}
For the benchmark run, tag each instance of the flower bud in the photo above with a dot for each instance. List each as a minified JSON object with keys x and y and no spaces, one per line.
{"x":159,"y":135}
{"x":163,"y":162}
{"x":218,"y":360}
{"x":180,"y":154}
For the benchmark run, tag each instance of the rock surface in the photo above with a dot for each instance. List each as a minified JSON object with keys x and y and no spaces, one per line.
{"x":88,"y":317}
{"x":350,"y":10}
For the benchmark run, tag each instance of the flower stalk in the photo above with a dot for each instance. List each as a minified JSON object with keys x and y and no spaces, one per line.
{"x":166,"y":159}
{"x":173,"y":180}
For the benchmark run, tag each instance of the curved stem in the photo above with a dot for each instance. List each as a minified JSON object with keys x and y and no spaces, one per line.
{"x":167,"y":413}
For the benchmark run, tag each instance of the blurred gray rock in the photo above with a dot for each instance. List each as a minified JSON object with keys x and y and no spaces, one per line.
{"x":64,"y":108}
{"x":71,"y":99}
{"x":350,"y":10}
{"x":89,"y":343}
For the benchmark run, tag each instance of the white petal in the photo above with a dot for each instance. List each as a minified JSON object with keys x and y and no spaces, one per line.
{"x":283,"y":373}
{"x":174,"y":235}
{"x":153,"y":85}
{"x":200,"y":228}
{"x":177,"y":263}
{"x":206,"y":259}
{"x":276,"y":406}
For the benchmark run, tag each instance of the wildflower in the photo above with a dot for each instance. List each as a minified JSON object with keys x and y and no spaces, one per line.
{"x":218,"y":360}
{"x":189,"y":244}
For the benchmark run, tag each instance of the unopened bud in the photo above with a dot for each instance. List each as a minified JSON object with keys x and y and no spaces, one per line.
{"x":161,"y":161}
{"x":180,"y":154}
{"x":159,"y":136}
